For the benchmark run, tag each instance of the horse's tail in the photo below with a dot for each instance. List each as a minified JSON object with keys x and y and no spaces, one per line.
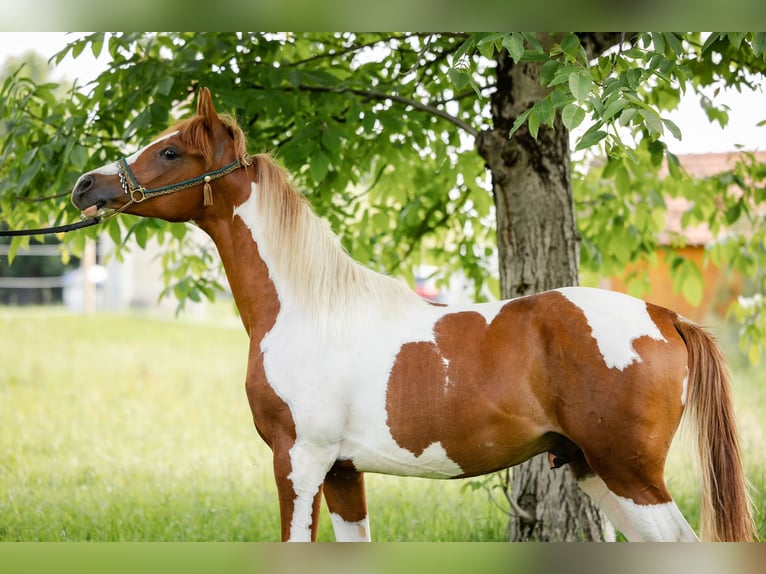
{"x":725,"y":511}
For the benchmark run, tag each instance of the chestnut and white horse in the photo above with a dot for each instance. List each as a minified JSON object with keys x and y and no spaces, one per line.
{"x":350,"y":371}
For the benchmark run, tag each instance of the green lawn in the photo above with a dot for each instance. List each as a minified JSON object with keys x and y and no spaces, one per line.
{"x":134,"y":428}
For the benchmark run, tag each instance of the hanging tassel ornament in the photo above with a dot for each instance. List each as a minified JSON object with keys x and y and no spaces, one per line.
{"x":207,"y":193}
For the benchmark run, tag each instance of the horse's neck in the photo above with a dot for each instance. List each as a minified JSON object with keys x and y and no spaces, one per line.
{"x":304,"y":269}
{"x":251,"y":285}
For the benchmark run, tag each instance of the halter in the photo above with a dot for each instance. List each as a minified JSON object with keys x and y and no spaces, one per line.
{"x":139,"y":193}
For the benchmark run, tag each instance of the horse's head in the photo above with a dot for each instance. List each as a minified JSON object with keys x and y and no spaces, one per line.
{"x":173,"y":177}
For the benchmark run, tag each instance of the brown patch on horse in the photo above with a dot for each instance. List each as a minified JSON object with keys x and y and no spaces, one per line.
{"x":612,"y":414}
{"x":258,"y":302}
{"x":461,"y":391}
{"x":495,"y":395}
{"x":344,"y":492}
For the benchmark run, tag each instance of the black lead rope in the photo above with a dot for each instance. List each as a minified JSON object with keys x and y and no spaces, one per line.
{"x":51,"y":230}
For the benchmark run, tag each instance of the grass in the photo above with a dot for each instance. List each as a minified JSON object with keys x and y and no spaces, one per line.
{"x":118,"y":428}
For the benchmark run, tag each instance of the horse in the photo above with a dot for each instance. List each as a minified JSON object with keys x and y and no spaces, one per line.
{"x":351,"y":372}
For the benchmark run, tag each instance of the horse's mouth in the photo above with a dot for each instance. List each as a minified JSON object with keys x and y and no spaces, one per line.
{"x":95,"y":210}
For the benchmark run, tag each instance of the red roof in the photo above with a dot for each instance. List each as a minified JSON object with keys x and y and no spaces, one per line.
{"x":698,"y":165}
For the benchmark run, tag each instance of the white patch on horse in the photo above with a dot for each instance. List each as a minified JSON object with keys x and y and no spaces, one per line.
{"x":333,"y":379}
{"x":685,"y":387}
{"x":358,"y":531}
{"x":658,"y":522}
{"x":616,"y":320}
{"x":602,"y":497}
{"x":111,"y":168}
{"x":639,"y":522}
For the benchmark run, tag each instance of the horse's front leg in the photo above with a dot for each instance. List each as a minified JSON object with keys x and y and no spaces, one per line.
{"x":299,"y":473}
{"x":347,"y":503}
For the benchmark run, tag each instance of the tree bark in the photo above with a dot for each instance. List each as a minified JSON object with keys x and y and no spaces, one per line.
{"x":538,"y":247}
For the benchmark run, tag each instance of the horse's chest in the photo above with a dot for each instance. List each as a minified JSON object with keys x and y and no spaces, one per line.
{"x":364,"y":393}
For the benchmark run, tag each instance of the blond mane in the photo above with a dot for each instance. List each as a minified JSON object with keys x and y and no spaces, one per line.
{"x":307,"y":259}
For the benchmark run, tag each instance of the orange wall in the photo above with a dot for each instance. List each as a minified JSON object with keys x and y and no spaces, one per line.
{"x":719,"y":289}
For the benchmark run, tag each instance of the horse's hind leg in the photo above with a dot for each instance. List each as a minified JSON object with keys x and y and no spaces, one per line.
{"x":644,"y":509}
{"x":659,"y":522}
{"x":347,"y":503}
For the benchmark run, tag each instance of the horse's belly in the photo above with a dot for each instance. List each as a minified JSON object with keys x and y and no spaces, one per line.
{"x":386,"y":457}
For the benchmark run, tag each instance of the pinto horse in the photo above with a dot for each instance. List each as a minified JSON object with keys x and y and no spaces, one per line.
{"x":350,"y":371}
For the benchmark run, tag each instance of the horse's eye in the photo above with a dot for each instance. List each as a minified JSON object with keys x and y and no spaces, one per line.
{"x":169,"y":153}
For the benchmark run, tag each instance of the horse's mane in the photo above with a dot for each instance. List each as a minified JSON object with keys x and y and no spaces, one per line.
{"x":302,"y":252}
{"x":307,"y":258}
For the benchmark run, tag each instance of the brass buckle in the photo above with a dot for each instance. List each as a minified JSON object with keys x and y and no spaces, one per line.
{"x":138,"y":195}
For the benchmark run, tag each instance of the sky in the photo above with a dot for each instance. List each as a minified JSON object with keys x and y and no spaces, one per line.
{"x":699,"y":135}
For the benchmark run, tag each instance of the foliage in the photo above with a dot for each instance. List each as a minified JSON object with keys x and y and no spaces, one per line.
{"x":308,"y":100}
{"x":378,"y":130}
{"x":628,"y":173}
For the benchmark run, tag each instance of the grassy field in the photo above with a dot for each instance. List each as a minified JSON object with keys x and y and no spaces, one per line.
{"x":118,"y":428}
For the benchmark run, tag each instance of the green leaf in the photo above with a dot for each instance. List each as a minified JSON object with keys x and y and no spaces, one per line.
{"x":487,"y":50}
{"x":548,"y":72}
{"x":615,"y":106}
{"x":77,"y":49}
{"x":570,"y":45}
{"x":16,"y":242}
{"x":533,"y":124}
{"x":533,"y":42}
{"x":692,"y":285}
{"x":319,"y":166}
{"x":673,"y":43}
{"x":580,"y":84}
{"x":114,"y":230}
{"x":652,"y":121}
{"x":672,"y":128}
{"x":97,"y":44}
{"x":519,"y":122}
{"x":544,"y":112}
{"x":674,"y":166}
{"x":572,"y":116}
{"x":78,"y":157}
{"x":465,"y":48}
{"x":514,"y":43}
{"x":458,"y":77}
{"x":491,"y":38}
{"x":165,"y":85}
{"x":193,"y":294}
{"x":759,"y":44}
{"x":735,"y":38}
{"x":712,"y":39}
{"x":590,"y":138}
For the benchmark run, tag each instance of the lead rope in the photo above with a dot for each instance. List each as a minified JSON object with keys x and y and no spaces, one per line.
{"x":52,"y":230}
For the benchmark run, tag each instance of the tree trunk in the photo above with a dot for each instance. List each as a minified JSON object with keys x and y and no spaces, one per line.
{"x":538,"y":249}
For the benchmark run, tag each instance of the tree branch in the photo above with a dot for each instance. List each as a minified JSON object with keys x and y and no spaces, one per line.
{"x":342,"y":51}
{"x":465,"y":126}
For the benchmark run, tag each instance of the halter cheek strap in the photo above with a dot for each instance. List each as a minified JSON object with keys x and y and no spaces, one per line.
{"x":138,"y":193}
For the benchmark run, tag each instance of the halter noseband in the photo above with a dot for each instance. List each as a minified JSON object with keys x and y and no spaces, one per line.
{"x":138,"y":193}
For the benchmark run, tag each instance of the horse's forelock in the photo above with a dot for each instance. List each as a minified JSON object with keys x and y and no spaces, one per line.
{"x":195,"y":133}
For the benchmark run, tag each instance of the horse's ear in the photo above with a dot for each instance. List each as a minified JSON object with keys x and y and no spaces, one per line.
{"x":205,"y":107}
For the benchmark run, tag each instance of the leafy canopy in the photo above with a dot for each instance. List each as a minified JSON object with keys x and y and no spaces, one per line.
{"x":378,"y":130}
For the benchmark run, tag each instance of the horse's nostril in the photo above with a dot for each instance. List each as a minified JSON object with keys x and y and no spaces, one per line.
{"x":84,"y":184}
